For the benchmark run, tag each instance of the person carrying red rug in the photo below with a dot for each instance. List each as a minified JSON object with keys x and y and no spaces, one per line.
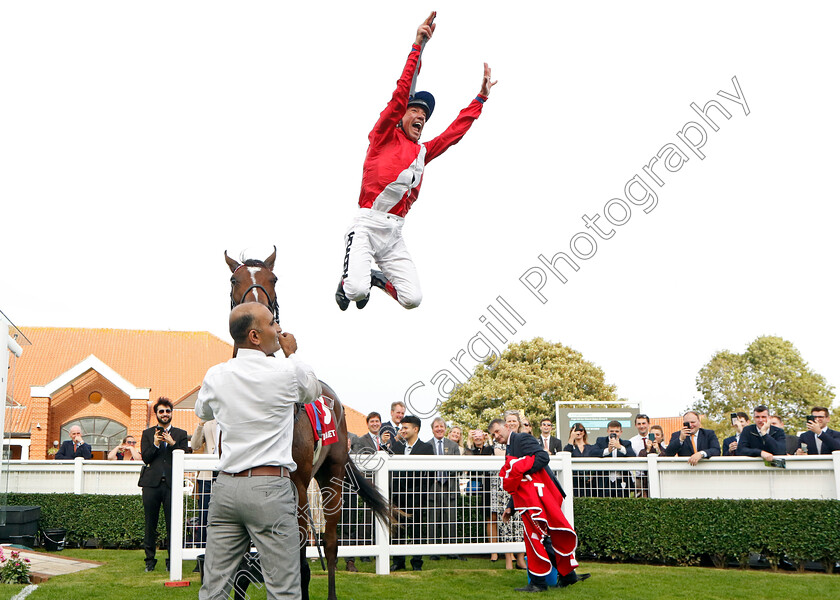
{"x":537,"y":496}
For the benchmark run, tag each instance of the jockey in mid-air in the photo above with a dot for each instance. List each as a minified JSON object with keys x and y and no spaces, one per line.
{"x":391,"y":178}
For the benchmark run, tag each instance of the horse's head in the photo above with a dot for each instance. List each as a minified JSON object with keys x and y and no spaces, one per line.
{"x":253,"y":281}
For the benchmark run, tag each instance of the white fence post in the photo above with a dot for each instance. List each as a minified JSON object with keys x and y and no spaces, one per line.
{"x":654,"y":490}
{"x":381,"y":534}
{"x":78,"y":475}
{"x":568,"y":486}
{"x":176,"y":530}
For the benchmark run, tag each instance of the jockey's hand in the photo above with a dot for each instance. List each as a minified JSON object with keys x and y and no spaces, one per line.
{"x":288,"y":343}
{"x":426,"y":29}
{"x":486,"y":82}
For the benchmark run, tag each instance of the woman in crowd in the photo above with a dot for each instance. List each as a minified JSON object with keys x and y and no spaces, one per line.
{"x":455,"y":435}
{"x":579,"y":446}
{"x":477,"y":445}
{"x":578,"y":441}
{"x":657,"y":446}
{"x":526,"y":426}
{"x":127,"y":450}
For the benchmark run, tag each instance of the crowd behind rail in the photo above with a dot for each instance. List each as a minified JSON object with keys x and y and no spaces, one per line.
{"x":467,"y":507}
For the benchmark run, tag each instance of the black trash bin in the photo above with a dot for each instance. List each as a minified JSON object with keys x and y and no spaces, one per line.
{"x":54,"y":539}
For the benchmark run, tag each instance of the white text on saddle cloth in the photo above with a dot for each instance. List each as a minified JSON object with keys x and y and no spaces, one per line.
{"x":321,"y":417}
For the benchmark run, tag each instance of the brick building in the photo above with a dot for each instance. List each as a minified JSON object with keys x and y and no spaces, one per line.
{"x":106,"y":381}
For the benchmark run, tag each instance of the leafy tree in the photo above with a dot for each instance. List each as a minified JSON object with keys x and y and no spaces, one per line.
{"x":771,"y":372}
{"x":529,"y":376}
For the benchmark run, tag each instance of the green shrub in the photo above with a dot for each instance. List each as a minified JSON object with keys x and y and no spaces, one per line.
{"x":111,"y":520}
{"x":684,"y":531}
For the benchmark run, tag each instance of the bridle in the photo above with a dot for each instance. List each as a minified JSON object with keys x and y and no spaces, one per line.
{"x":272,"y":305}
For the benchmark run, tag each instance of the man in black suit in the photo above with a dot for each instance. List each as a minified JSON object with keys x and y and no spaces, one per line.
{"x":370,"y":442}
{"x":397,"y":414}
{"x":156,"y":446}
{"x":761,"y":439}
{"x":521,"y":445}
{"x":693,"y":441}
{"x":616,"y":483}
{"x":411,"y":488}
{"x":549,"y":443}
{"x":74,"y":447}
{"x":730,"y":444}
{"x":819,"y":438}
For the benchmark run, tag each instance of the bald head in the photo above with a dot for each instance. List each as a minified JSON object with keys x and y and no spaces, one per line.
{"x":252,"y":326}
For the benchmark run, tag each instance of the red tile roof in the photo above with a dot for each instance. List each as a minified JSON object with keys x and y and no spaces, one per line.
{"x":171,"y":363}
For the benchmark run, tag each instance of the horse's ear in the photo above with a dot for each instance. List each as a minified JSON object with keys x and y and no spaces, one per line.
{"x":231,"y":262}
{"x":269,"y":262}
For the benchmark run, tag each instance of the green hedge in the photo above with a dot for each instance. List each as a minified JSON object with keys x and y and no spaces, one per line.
{"x":683,"y":532}
{"x":114,"y":521}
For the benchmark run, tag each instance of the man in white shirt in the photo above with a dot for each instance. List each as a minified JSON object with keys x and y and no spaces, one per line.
{"x":252,"y":398}
{"x":639,"y":442}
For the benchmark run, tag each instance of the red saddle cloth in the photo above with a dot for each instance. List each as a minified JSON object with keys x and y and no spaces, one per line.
{"x":538,"y":502}
{"x":322,"y":419}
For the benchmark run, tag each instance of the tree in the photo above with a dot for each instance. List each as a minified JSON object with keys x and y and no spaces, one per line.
{"x":529,"y":376}
{"x":770,"y":372}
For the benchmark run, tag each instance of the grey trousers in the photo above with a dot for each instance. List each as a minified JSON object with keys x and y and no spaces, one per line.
{"x":258,"y":509}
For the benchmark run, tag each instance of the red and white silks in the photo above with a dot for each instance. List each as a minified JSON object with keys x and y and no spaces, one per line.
{"x":538,"y":501}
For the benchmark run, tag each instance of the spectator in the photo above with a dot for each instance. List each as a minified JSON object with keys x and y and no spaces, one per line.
{"x":480,"y":486}
{"x":74,"y":447}
{"x":549,"y":443}
{"x":730,"y":444}
{"x":371,"y":439}
{"x":204,"y":440}
{"x":639,"y":478}
{"x":578,"y":441}
{"x":397,"y":414}
{"x":411,"y":488}
{"x":385,"y":440}
{"x":127,"y":450}
{"x":616,"y":483}
{"x":819,"y":439}
{"x":791,"y":441}
{"x":525,"y":426}
{"x":444,"y":488}
{"x":657,"y":445}
{"x":761,"y":439}
{"x":156,"y":446}
{"x":693,"y":441}
{"x":456,"y":436}
{"x":579,"y":446}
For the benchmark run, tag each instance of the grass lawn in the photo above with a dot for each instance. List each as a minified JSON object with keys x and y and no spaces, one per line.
{"x":122,"y":577}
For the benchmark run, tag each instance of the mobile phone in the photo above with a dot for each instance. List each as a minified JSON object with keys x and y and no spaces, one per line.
{"x":687,"y":424}
{"x":810,"y":419}
{"x":613,"y":436}
{"x":651,"y":437}
{"x":734,"y":418}
{"x":804,"y":447}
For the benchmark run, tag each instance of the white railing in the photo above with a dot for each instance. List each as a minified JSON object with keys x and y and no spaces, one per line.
{"x":813,"y":477}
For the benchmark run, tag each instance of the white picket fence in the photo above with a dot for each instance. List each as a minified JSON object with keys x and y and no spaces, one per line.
{"x":813,"y":477}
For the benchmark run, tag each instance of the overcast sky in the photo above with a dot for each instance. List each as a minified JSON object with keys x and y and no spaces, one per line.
{"x":138,"y":141}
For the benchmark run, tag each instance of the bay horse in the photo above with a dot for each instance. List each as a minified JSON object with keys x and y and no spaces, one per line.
{"x":254,"y":281}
